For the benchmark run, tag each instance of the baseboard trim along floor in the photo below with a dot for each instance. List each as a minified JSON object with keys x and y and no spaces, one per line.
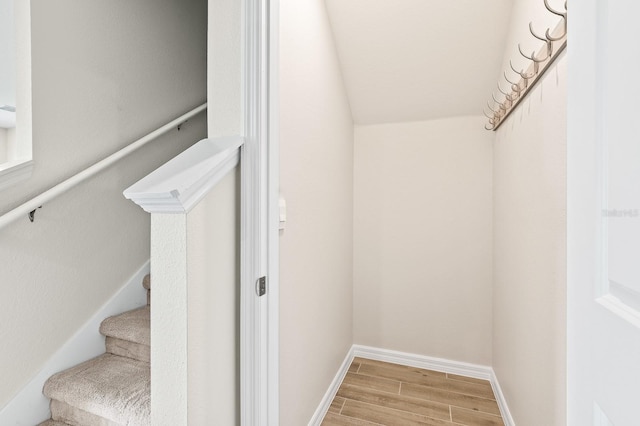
{"x":322,"y":409}
{"x":411,"y":360}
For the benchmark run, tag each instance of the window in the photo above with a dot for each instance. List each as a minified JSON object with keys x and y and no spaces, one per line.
{"x":15,"y":92}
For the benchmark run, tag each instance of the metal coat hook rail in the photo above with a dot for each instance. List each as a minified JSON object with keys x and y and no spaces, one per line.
{"x":555,"y":41}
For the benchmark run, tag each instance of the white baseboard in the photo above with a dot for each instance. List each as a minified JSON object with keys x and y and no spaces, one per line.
{"x":502,"y":402}
{"x":418,"y":361}
{"x":30,"y":407}
{"x":422,"y":361}
{"x":322,"y":409}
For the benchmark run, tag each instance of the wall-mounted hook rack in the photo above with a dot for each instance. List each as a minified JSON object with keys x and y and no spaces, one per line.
{"x":539,"y":62}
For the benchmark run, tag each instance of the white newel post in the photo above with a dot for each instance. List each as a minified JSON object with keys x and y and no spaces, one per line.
{"x":169,"y":193}
{"x":169,"y":319}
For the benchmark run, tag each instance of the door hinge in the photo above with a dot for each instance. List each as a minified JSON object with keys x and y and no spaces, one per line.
{"x":261,"y":286}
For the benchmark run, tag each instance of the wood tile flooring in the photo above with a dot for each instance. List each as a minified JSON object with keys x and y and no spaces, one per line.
{"x":379,"y":393}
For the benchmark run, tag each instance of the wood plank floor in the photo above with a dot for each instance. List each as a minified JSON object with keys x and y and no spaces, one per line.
{"x":380,"y":393}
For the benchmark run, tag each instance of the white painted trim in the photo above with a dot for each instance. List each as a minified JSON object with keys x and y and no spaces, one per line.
{"x":178,"y":185}
{"x":421,"y":361}
{"x":502,"y":401}
{"x":274,"y":217}
{"x":7,"y":116}
{"x":617,"y":307}
{"x":14,"y":172}
{"x":325,"y":403}
{"x":256,"y":329}
{"x":417,"y":361}
{"x":30,"y":407}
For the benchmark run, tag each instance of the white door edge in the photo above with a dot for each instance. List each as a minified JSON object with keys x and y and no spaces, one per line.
{"x":259,"y":255}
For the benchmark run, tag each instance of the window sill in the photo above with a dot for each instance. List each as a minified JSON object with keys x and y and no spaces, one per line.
{"x":14,"y":171}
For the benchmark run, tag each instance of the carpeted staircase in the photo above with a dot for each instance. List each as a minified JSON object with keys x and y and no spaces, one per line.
{"x":114,"y":388}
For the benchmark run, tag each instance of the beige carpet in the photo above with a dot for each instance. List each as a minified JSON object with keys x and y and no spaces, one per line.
{"x":112,"y":387}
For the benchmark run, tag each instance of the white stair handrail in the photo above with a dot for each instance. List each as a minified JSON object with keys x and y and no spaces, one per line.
{"x":26,"y":208}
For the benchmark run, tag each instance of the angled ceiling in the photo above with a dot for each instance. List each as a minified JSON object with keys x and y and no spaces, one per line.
{"x":411,"y":60}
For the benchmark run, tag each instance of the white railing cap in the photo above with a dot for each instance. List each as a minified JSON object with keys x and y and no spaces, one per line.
{"x":178,"y":185}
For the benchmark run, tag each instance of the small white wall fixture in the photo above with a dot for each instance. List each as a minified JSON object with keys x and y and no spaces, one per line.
{"x":169,"y":193}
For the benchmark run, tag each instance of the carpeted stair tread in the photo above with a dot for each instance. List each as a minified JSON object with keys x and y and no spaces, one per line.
{"x":132,"y":326}
{"x":111,"y":387}
{"x":74,"y":416}
{"x":128,"y":349}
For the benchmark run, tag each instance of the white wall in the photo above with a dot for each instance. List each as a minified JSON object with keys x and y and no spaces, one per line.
{"x":223,"y":65}
{"x":529,"y":317}
{"x":529,"y":236}
{"x":214,"y":328}
{"x":213,"y":241}
{"x":422,"y":245}
{"x":316,"y":175}
{"x":104,"y":74}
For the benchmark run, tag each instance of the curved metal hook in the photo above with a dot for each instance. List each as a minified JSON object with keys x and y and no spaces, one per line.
{"x":497,"y":113}
{"x":514,"y":86}
{"x":555,"y":12}
{"x":502,"y":91}
{"x":563,"y":15}
{"x":523,"y":54}
{"x":532,"y":58}
{"x":515,"y":70}
{"x":552,"y":38}
{"x":500,"y":104}
{"x":547,"y":40}
{"x":522,"y":74}
{"x":491,"y":118}
{"x":509,"y":96}
{"x":533,"y":33}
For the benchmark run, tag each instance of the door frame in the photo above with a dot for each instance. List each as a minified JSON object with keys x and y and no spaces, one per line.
{"x":259,"y":216}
